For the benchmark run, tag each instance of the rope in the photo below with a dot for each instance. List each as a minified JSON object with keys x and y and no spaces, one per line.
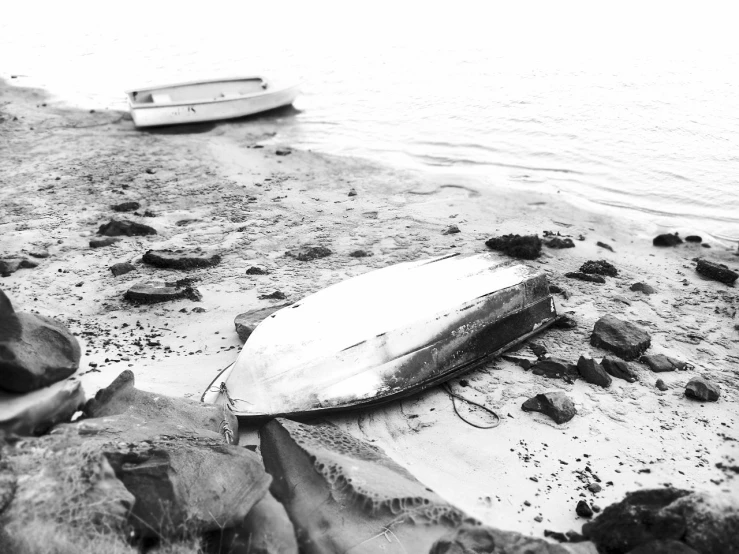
{"x":455,"y":396}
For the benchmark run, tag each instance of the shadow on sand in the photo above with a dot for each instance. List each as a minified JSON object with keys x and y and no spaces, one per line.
{"x":206,"y":126}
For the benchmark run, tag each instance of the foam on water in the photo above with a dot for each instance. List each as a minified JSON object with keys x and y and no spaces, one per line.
{"x":629,"y":105}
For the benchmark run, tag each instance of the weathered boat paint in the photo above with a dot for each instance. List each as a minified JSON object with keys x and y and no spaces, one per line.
{"x":384,"y":335}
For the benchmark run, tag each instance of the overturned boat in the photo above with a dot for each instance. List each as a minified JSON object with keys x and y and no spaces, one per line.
{"x":210,"y":100}
{"x":384,"y":335}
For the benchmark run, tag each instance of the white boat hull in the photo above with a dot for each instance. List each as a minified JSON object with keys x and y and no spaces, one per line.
{"x":383,"y":335}
{"x":181,"y":111}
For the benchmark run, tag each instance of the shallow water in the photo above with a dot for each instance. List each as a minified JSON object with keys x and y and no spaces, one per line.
{"x":629,"y":106}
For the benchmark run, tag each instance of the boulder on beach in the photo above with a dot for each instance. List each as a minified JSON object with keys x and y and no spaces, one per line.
{"x":35,"y":351}
{"x":556,"y":405}
{"x":707,"y":523}
{"x":604,"y":245}
{"x":599,"y":267}
{"x":580,"y":276}
{"x":694,"y":238}
{"x":179,"y":259}
{"x":592,"y":372}
{"x":451,"y":230}
{"x":102,"y":243}
{"x":700,"y":388}
{"x":643,"y":288}
{"x":526,"y":247}
{"x":254,"y":270}
{"x":246,"y":323}
{"x":121,"y":268}
{"x":717,"y":272}
{"x":659,"y":363}
{"x":560,"y":243}
{"x":623,"y":338}
{"x":153,"y":292}
{"x":126,"y":207}
{"x":556,"y":368}
{"x":667,"y":239}
{"x":123,"y":227}
{"x":308,"y":253}
{"x":619,"y":369}
{"x":341,"y":492}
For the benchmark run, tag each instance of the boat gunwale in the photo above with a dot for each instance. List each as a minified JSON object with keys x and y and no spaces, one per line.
{"x":152,"y":105}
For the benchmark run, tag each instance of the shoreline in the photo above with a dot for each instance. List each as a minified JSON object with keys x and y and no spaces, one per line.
{"x":64,"y":167}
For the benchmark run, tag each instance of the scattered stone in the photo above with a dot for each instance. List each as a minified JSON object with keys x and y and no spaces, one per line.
{"x":148,"y":213}
{"x":699,"y":388}
{"x":246,"y":323}
{"x":308,"y":253}
{"x":254,"y":270}
{"x":660,"y":384}
{"x":35,"y":351}
{"x":556,"y":405}
{"x":585,"y":277}
{"x":521,"y":360}
{"x":564,"y":322}
{"x":604,"y":245}
{"x":693,"y":238}
{"x":180,"y":259}
{"x":642,"y":287}
{"x":152,"y":292}
{"x":555,"y":289}
{"x":620,"y":337}
{"x":599,"y":267}
{"x":667,"y":240}
{"x":277,"y":295}
{"x":539,"y":350}
{"x":659,"y":363}
{"x":283,"y":151}
{"x":556,"y":368}
{"x":39,"y":253}
{"x":100,"y":243}
{"x":593,"y":372}
{"x":126,"y":207}
{"x":559,"y":243}
{"x":151,"y":171}
{"x":121,"y":268}
{"x":359,"y":254}
{"x":185,"y":222}
{"x":594,"y":488}
{"x":583,"y":510}
{"x":717,"y":272}
{"x":352,"y":192}
{"x":527,"y":247}
{"x":124,"y":227}
{"x":705,"y":245}
{"x":619,"y":369}
{"x":451,"y":230}
{"x":199,"y":310}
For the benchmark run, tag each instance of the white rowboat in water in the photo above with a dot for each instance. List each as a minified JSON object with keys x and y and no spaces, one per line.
{"x":384,"y":335}
{"x":207,"y":100}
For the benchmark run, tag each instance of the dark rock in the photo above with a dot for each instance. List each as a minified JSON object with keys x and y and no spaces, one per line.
{"x":604,"y":245}
{"x":151,"y":171}
{"x":659,"y":363}
{"x":717,"y":272}
{"x":574,"y":536}
{"x":308,"y":253}
{"x":35,"y":412}
{"x":126,"y":207}
{"x":527,"y":247}
{"x":559,"y":242}
{"x":619,"y":369}
{"x":699,"y":388}
{"x":555,"y":368}
{"x":620,"y":337}
{"x":585,"y":277}
{"x":538,"y":349}
{"x":556,"y":405}
{"x":669,"y":546}
{"x":152,"y":292}
{"x":693,"y":238}
{"x":352,"y":192}
{"x":116,"y":228}
{"x":593,"y":372}
{"x":555,"y":289}
{"x":185,"y":222}
{"x":564,"y":322}
{"x":198,"y":310}
{"x":277,"y":295}
{"x":246,"y":323}
{"x":254,"y":270}
{"x":705,"y":245}
{"x":660,"y":384}
{"x":35,"y":351}
{"x":100,"y":243}
{"x":451,"y":230}
{"x":359,"y":254}
{"x":180,"y":259}
{"x":599,"y":267}
{"x":121,"y":268}
{"x":283,"y":151}
{"x":667,"y":240}
{"x":361,"y":489}
{"x":595,"y":488}
{"x":40,"y":253}
{"x":556,"y":535}
{"x":642,"y":287}
{"x":8,"y":267}
{"x":583,"y":510}
{"x":520,"y":360}
{"x":148,"y":213}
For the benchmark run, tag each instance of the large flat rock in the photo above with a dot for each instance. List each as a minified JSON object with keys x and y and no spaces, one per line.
{"x":623,"y":338}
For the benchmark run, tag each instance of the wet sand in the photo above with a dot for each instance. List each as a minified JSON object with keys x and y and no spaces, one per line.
{"x":224,"y":189}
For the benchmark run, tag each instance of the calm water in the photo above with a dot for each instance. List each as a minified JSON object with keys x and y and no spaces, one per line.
{"x":631,"y":106}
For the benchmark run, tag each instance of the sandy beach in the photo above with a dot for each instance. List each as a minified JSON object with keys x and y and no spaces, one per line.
{"x":236,"y":190}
